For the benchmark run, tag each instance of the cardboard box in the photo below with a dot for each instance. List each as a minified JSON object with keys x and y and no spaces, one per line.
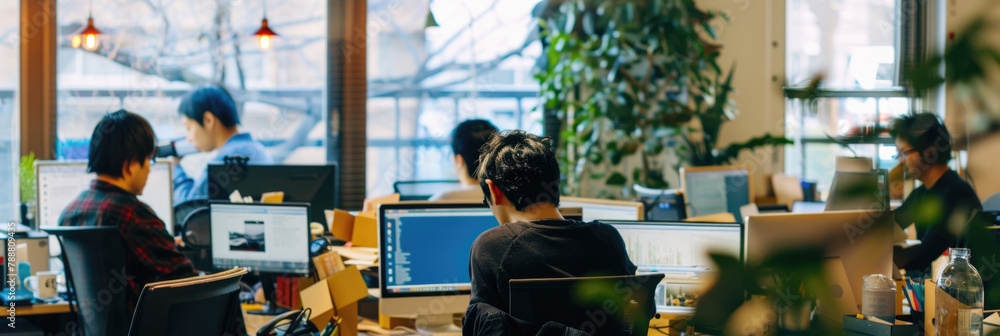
{"x":340,"y":223}
{"x":336,"y":296}
{"x":328,"y":264}
{"x":930,"y":288}
{"x":365,"y":231}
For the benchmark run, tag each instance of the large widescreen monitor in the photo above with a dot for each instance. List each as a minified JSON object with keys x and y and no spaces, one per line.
{"x":315,"y":184}
{"x":856,"y":244}
{"x":61,"y":182}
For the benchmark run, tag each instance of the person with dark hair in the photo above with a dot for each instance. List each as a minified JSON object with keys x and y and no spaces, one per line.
{"x":466,"y":139}
{"x":122,"y":149}
{"x":942,"y":206}
{"x":519,"y":175}
{"x":212,"y":122}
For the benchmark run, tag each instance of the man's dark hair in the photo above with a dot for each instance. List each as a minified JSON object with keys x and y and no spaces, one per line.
{"x":120,"y":137}
{"x":210,"y":98}
{"x":922,"y":131}
{"x":466,"y":140}
{"x":523,"y":166}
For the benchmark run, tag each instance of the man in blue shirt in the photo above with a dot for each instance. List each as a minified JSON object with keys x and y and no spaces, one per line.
{"x":211,"y":120}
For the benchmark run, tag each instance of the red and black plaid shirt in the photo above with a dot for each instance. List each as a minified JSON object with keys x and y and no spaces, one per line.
{"x":150,"y":252}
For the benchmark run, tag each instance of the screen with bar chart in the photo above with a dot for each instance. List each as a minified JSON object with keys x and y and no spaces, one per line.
{"x":678,"y":246}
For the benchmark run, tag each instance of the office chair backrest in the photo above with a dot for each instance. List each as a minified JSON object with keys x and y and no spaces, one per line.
{"x":181,"y":211}
{"x":207,"y":305}
{"x":197,"y":234}
{"x":94,"y":259}
{"x":582,"y":303}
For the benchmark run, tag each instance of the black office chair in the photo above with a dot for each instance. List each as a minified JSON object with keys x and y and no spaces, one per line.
{"x":196,"y":232}
{"x":94,"y":261}
{"x":207,"y":305}
{"x":582,"y":303}
{"x":983,"y":240}
{"x":181,"y":211}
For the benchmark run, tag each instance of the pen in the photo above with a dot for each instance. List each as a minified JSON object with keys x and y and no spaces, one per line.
{"x":873,"y":319}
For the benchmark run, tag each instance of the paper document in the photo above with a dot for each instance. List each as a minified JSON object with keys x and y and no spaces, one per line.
{"x":359,"y":253}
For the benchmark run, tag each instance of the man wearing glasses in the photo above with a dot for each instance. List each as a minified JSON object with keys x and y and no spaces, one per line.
{"x":941,"y":207}
{"x":122,"y":149}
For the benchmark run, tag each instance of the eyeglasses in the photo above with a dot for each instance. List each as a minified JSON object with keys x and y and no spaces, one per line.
{"x":904,"y":153}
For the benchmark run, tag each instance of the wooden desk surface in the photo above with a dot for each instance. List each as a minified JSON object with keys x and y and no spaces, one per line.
{"x":60,"y":307}
{"x":254,"y":322}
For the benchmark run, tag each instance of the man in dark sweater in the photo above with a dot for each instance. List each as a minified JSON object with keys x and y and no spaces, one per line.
{"x":519,"y":175}
{"x":943,"y":205}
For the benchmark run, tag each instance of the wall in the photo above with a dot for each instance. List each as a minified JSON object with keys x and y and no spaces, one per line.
{"x":959,"y":119}
{"x":754,"y":41}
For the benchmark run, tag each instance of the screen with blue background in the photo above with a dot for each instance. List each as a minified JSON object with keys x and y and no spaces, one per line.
{"x":428,"y":249}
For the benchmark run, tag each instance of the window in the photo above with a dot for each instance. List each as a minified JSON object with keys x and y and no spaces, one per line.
{"x":854,"y":44}
{"x":153,"y":52}
{"x":422,"y":81}
{"x":10,"y":120}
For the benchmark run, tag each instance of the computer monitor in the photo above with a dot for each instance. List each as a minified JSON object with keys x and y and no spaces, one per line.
{"x":266,"y":238}
{"x":598,"y":209}
{"x":61,"y":182}
{"x":304,"y":184}
{"x":854,"y":164}
{"x":424,"y":253}
{"x":678,"y":247}
{"x":808,"y":207}
{"x":859,"y":191}
{"x":422,"y":190}
{"x":662,"y":204}
{"x":571,"y":213}
{"x":856,"y":244}
{"x":718,"y":189}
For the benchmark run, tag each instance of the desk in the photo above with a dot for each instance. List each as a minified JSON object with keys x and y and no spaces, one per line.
{"x":61,"y":307}
{"x":254,"y":322}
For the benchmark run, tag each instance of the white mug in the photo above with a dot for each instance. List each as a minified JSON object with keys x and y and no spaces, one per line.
{"x":43,"y":284}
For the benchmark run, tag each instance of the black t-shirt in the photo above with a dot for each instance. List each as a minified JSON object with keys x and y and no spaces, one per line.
{"x":940,"y":215}
{"x":552,"y":248}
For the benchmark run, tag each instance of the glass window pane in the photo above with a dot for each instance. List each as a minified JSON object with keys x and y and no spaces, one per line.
{"x":851,"y":41}
{"x":10,"y":119}
{"x":151,"y":53}
{"x":423,"y":81}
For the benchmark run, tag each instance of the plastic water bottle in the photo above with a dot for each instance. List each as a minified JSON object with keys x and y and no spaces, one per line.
{"x":959,"y":297}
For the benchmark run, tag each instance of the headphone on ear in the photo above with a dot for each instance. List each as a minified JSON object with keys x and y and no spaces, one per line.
{"x":934,"y":132}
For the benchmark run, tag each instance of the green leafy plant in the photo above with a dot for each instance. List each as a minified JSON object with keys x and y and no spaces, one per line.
{"x":627,"y":78}
{"x":967,"y":61}
{"x":27,"y":177}
{"x":791,"y":280}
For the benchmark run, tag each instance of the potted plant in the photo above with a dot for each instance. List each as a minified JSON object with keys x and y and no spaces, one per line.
{"x":638,"y":89}
{"x":27,"y":188}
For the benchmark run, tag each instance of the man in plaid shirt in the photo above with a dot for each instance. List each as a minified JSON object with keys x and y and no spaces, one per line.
{"x":122,"y":149}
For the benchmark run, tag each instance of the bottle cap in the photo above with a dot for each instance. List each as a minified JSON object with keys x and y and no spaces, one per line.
{"x":878,"y":282}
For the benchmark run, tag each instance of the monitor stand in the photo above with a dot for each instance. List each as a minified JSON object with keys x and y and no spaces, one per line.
{"x":441,"y":325}
{"x":270,"y":296}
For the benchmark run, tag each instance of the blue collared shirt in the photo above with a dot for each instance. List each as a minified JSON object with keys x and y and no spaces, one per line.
{"x":186,"y":188}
